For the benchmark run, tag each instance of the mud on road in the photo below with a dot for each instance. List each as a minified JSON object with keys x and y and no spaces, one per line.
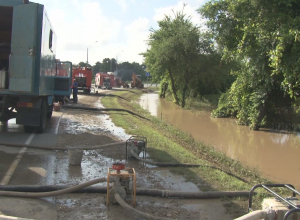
{"x":84,"y":128}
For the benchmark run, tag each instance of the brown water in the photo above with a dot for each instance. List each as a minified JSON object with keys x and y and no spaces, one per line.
{"x":274,"y":153}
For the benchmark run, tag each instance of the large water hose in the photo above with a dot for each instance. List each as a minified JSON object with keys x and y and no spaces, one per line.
{"x":161,"y":164}
{"x":145,"y":215}
{"x":191,"y":195}
{"x":103,"y":110}
{"x":109,"y":95}
{"x":53,"y":193}
{"x":139,"y":191}
{"x":95,"y":147}
{"x":35,"y":191}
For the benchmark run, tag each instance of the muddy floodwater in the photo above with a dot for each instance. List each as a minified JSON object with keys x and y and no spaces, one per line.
{"x":274,"y":153}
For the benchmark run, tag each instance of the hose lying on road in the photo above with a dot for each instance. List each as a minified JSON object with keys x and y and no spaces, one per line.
{"x":103,"y":110}
{"x":66,"y":99}
{"x":139,"y":191}
{"x":160,"y":164}
{"x":53,"y":193}
{"x":65,"y":148}
{"x":145,"y":215}
{"x":110,"y":95}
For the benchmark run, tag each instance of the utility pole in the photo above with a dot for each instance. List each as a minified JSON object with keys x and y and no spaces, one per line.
{"x":87,"y":54}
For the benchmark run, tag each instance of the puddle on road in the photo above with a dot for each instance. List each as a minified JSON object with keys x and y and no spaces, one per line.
{"x":93,"y":165}
{"x":110,"y":127}
{"x":75,"y":127}
{"x":76,"y":124}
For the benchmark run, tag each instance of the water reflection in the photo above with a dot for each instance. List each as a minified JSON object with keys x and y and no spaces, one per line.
{"x":273,"y":153}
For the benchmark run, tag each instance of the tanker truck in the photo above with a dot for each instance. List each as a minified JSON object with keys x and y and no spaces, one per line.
{"x":28,"y":75}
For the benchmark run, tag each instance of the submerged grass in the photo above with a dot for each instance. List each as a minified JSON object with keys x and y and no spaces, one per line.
{"x":168,"y":144}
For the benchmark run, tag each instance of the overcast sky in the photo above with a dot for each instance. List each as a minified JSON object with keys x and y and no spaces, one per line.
{"x":121,"y":27}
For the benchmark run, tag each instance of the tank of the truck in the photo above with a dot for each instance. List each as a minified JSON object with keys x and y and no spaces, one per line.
{"x":63,"y":80}
{"x":83,"y":76}
{"x":29,"y":57}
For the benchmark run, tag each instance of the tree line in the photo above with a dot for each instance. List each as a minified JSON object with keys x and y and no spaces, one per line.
{"x":248,"y":51}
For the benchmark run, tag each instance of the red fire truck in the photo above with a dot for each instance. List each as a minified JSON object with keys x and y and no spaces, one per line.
{"x":104,"y":80}
{"x":84,"y":76}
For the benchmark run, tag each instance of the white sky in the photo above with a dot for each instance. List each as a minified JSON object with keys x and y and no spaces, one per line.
{"x":121,"y":27}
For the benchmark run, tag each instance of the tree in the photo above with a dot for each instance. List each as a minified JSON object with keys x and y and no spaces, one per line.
{"x":126,"y":69}
{"x":83,"y":64}
{"x":106,"y":65}
{"x":97,"y":68}
{"x":263,"y":37}
{"x":178,"y":55}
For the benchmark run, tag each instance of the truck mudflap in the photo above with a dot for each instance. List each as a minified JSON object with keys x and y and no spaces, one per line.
{"x":28,"y":116}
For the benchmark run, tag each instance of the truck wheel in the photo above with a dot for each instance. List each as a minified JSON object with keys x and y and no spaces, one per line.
{"x":40,"y":129}
{"x":28,"y":129}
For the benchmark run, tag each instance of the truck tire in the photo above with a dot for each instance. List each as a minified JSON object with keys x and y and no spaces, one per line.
{"x":49,"y":112}
{"x":40,"y":129}
{"x":28,"y":129}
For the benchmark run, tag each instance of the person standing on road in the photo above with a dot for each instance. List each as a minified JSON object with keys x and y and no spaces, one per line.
{"x":75,"y":91}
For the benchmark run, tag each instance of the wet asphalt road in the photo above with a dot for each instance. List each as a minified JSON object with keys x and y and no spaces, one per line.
{"x":19,"y":166}
{"x":29,"y":166}
{"x":34,"y":166}
{"x":25,"y":166}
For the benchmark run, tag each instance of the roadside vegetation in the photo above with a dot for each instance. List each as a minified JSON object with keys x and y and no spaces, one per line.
{"x":168,"y":144}
{"x":248,"y":51}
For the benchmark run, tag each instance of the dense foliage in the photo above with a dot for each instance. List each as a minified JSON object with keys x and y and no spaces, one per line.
{"x":184,"y":60}
{"x":263,"y":36}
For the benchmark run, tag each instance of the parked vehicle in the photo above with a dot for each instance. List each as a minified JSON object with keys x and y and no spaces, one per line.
{"x":104,"y":80}
{"x":84,"y":76}
{"x":136,"y":81}
{"x":28,"y":75}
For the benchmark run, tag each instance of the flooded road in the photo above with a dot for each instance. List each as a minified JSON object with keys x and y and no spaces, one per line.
{"x":273,"y":153}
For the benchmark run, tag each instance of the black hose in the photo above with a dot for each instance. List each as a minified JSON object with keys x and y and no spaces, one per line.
{"x":125,"y":205}
{"x":161,"y":164}
{"x":191,"y":195}
{"x":104,"y":110}
{"x":110,"y":95}
{"x":139,"y":191}
{"x":66,"y":148}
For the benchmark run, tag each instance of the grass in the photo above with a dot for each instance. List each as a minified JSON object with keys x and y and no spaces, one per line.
{"x":206,"y":102}
{"x":168,"y":144}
